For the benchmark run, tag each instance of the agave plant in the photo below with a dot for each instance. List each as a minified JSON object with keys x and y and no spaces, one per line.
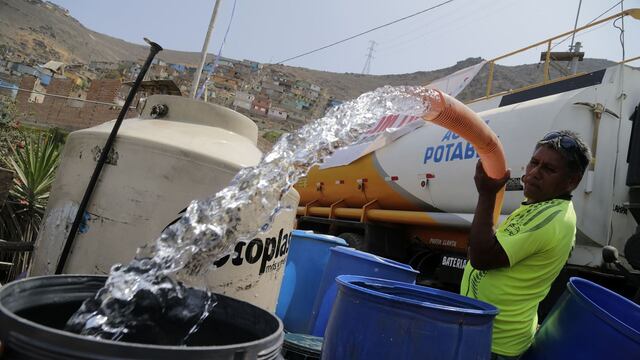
{"x":34,"y":161}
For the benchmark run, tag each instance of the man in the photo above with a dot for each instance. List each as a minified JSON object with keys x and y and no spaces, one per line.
{"x":514,"y":267}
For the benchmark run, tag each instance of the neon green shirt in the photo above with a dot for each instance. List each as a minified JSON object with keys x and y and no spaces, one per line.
{"x":537,"y":238}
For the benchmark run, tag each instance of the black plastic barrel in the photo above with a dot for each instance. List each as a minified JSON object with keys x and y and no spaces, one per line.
{"x":33,"y":312}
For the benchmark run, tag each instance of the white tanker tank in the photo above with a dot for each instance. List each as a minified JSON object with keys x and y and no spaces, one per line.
{"x":157,"y":166}
{"x":418,"y":191}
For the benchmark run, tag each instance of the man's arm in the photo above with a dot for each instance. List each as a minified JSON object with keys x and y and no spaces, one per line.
{"x":485,"y":252}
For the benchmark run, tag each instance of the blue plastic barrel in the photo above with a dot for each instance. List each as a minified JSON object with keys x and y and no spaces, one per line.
{"x":383,"y":319}
{"x":348,"y":261}
{"x":589,"y":322}
{"x":308,"y":255}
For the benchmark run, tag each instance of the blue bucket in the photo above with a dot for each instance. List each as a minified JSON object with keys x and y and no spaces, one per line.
{"x":589,"y":322}
{"x":383,"y":319}
{"x":308,"y":255}
{"x":348,"y":261}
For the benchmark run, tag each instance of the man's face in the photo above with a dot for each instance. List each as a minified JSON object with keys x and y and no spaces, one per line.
{"x":547,"y":176}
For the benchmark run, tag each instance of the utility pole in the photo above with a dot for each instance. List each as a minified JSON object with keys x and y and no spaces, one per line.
{"x":367,"y":65}
{"x":574,"y":48}
{"x":205,"y":46}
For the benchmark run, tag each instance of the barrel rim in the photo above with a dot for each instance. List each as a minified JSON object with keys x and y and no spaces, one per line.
{"x":598,"y":310}
{"x":271,"y":339}
{"x":329,"y":239}
{"x":369,"y":256}
{"x":487,"y":309}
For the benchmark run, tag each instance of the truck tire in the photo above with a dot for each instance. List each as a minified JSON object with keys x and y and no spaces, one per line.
{"x":354,"y":240}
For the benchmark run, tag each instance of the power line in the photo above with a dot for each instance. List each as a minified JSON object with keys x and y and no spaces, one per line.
{"x":460,"y":22}
{"x":365,"y":32}
{"x":592,"y":21}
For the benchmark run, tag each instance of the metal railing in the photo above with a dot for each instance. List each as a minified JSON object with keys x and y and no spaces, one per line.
{"x":635,"y":13}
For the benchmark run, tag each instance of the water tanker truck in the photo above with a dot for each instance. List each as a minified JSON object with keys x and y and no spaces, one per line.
{"x":413,"y":199}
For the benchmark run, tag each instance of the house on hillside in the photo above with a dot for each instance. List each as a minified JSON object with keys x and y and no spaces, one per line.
{"x":225,"y":62}
{"x":310,"y":94}
{"x":157,"y":72}
{"x":4,"y":69}
{"x":102,"y":66}
{"x":8,"y":89}
{"x":157,"y":61}
{"x":301,"y":85}
{"x":243,"y":100}
{"x":277,"y":113}
{"x":208,"y":67}
{"x":289,"y":102}
{"x":223,"y":97}
{"x":56,"y":7}
{"x":179,"y":67}
{"x":260,"y":105}
{"x":254,"y":66}
{"x":228,"y":71}
{"x":22,"y":69}
{"x":42,"y":79}
{"x":78,"y":79}
{"x":270,"y":88}
{"x":53,"y":68}
{"x":223,"y":82}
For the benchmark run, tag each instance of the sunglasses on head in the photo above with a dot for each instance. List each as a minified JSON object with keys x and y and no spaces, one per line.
{"x":567,"y":143}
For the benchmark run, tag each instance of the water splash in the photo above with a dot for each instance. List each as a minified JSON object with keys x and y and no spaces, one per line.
{"x":210,"y":228}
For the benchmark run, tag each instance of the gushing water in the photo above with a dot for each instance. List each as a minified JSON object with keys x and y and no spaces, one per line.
{"x":152,"y":288}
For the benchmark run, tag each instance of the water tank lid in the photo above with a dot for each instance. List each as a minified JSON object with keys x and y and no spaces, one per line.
{"x":182,"y":109}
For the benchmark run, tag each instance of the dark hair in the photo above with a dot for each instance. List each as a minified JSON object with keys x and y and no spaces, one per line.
{"x":571,"y":147}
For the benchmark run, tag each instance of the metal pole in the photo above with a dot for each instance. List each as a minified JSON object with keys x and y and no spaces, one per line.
{"x":203,"y":55}
{"x":575,"y":58}
{"x":575,"y":26}
{"x":546,"y":63}
{"x":155,"y":48}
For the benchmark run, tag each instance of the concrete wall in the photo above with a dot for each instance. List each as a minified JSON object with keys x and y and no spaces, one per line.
{"x":65,"y":113}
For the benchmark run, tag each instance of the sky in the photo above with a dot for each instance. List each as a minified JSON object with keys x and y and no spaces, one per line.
{"x":270,"y":31}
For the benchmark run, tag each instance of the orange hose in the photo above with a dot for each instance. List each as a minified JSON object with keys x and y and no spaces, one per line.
{"x":450,"y":113}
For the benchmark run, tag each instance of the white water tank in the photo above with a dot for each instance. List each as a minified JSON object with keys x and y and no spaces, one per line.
{"x":156,"y":167}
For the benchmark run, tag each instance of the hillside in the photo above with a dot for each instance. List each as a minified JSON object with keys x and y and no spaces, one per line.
{"x":40,"y":32}
{"x":36,"y":31}
{"x":348,"y":86}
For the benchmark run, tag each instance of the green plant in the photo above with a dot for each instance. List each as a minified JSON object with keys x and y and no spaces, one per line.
{"x":273,"y":135}
{"x":8,"y":110}
{"x":9,"y":128}
{"x":34,"y":161}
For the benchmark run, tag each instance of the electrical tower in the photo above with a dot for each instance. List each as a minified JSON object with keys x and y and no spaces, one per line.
{"x":367,"y":65}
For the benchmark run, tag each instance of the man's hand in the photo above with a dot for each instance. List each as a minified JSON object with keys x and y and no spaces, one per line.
{"x":486,"y":185}
{"x":485,"y":251}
